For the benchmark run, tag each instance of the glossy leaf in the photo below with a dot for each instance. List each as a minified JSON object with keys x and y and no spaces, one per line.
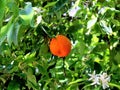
{"x":27,"y":14}
{"x":12,"y":35}
{"x":106,"y":28}
{"x":91,"y":23}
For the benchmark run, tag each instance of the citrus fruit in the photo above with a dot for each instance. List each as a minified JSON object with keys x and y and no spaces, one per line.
{"x":60,"y":46}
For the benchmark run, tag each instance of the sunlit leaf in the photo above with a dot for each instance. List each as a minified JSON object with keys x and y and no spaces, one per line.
{"x":91,"y":23}
{"x":103,"y":10}
{"x":3,"y":34}
{"x":29,"y":58}
{"x":116,"y":22}
{"x":27,"y":14}
{"x":50,"y":4}
{"x":114,"y":85}
{"x":9,"y":34}
{"x":76,"y":81}
{"x":106,"y":28}
{"x":12,"y":35}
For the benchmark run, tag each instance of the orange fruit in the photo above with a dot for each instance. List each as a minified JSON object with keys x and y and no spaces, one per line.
{"x":60,"y":46}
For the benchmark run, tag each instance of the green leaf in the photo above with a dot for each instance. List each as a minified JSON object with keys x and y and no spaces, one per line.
{"x":106,"y":28}
{"x":2,"y":10}
{"x":50,"y":4}
{"x":9,"y":34}
{"x":13,"y":7}
{"x":80,"y":48}
{"x":105,"y":9}
{"x":29,"y":57}
{"x":31,"y":80}
{"x":44,"y":49}
{"x":13,"y":85}
{"x":76,"y":25}
{"x":76,"y":81}
{"x":12,"y":35}
{"x":86,"y":86}
{"x":4,"y":49}
{"x":100,"y":47}
{"x":116,"y":22}
{"x":27,"y":14}
{"x":115,"y":85}
{"x":15,"y":33}
{"x":117,"y":57}
{"x":59,"y":5}
{"x":91,"y":22}
{"x":3,"y":32}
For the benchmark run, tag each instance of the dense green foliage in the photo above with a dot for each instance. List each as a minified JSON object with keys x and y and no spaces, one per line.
{"x":26,"y":28}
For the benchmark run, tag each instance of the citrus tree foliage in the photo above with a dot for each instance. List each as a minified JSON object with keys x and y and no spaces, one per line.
{"x":26,"y":28}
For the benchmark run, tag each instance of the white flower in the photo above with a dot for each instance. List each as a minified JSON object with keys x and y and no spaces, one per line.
{"x":95,"y":78}
{"x":72,"y":12}
{"x":99,"y":79}
{"x":95,"y":81}
{"x":92,"y":76}
{"x":104,"y":78}
{"x":39,"y":19}
{"x":36,"y":10}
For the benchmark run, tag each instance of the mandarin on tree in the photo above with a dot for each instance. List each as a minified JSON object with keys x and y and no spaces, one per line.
{"x":60,"y":46}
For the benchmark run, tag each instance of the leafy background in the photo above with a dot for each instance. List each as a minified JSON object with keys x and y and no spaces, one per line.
{"x":26,"y":28}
